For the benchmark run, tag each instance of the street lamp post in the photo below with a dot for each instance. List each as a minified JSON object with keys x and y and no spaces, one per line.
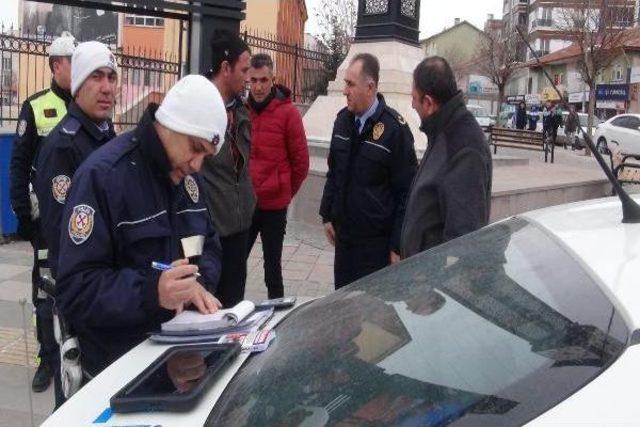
{"x":388,"y":20}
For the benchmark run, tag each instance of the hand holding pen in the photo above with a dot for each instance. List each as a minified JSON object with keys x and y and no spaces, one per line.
{"x":178,"y":288}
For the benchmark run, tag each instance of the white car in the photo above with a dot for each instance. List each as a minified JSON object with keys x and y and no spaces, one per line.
{"x":531,"y":321}
{"x":482,"y":115}
{"x":623,"y":130}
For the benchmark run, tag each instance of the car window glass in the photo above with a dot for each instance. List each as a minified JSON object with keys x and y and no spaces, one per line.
{"x":620,"y":122}
{"x":491,"y":329}
{"x":633,"y":123}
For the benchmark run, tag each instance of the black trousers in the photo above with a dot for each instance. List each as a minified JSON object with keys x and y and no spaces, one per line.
{"x":234,"y":268}
{"x":356,"y":259}
{"x":271,"y":225}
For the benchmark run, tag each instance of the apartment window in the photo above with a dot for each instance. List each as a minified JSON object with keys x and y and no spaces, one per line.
{"x":144,"y":21}
{"x":558,"y":79}
{"x":6,"y":63}
{"x":617,"y":73}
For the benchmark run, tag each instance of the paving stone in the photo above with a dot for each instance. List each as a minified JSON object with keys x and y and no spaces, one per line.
{"x":308,"y":259}
{"x":298,"y":266}
{"x":9,"y":271}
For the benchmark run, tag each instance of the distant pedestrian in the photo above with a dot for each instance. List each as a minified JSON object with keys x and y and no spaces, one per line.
{"x":571,"y":127}
{"x":521,"y":116}
{"x":372,"y":162}
{"x":451,"y":194}
{"x":227,"y":184}
{"x":278,"y":165}
{"x":533,"y":116}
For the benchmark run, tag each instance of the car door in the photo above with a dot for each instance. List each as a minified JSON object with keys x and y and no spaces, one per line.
{"x":630,"y":140}
{"x":615,"y":131}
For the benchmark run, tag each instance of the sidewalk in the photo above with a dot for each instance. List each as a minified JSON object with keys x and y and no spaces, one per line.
{"x":307,"y":261}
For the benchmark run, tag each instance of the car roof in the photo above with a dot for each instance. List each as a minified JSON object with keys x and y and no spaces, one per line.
{"x":606,"y":248}
{"x":624,"y":115}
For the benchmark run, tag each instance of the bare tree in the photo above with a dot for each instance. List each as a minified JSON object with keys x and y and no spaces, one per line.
{"x":596,"y":28}
{"x":498,"y":59}
{"x":337,"y":22}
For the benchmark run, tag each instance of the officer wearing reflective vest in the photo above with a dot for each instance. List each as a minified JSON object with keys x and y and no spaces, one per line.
{"x":40,"y":113}
{"x":133,"y":202}
{"x":372,"y":163}
{"x":86,"y":127}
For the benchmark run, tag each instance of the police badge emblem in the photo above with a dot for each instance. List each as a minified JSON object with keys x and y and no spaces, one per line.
{"x":191,"y":186}
{"x":378,"y":130}
{"x":22,"y":127}
{"x":81,"y":224}
{"x":59,"y":187}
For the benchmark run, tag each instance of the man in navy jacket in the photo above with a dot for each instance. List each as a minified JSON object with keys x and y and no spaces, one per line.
{"x":131,"y":203}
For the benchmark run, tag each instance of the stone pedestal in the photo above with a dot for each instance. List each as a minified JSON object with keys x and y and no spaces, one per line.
{"x":397,"y":62}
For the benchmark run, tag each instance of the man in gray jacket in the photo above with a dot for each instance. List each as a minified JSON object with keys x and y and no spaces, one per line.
{"x":229,"y":192}
{"x":451,"y":193}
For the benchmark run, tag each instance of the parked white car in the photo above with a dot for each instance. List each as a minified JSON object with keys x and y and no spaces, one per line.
{"x":482,"y":115}
{"x":532,"y":321}
{"x":623,"y":130}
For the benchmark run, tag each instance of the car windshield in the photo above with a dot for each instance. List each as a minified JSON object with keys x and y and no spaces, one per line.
{"x":491,"y":329}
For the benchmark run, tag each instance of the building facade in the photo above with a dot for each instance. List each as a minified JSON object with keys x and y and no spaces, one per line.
{"x":454,"y":45}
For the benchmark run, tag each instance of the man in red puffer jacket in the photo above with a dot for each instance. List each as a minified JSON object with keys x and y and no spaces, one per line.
{"x":278,"y":165}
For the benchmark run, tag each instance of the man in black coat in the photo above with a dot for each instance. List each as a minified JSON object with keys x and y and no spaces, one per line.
{"x":451,"y":194}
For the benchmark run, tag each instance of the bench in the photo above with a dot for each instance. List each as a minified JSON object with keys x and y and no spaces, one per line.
{"x":625,"y":167}
{"x":628,"y":172}
{"x":520,"y":139}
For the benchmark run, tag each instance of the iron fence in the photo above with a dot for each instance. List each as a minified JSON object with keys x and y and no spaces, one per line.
{"x":143,"y":76}
{"x":304,"y":70}
{"x":146,"y":76}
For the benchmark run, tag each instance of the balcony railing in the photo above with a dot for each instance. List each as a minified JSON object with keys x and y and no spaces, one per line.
{"x":541,"y":23}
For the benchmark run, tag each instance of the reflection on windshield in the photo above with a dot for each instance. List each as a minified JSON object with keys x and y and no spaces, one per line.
{"x":489,"y":330}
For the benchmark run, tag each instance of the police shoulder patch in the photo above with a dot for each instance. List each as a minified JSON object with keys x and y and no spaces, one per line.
{"x":22,"y":127}
{"x":59,"y":187}
{"x":191,"y":186}
{"x":81,"y":223}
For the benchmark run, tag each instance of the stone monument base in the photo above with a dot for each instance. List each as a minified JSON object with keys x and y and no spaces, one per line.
{"x":397,"y":62}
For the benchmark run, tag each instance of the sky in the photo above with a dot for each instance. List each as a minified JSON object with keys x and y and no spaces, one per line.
{"x":435,"y":15}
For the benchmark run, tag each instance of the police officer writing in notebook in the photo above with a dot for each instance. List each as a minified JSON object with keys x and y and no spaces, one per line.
{"x":371,"y":165}
{"x":40,"y":113}
{"x":86,"y":127}
{"x":131,"y":203}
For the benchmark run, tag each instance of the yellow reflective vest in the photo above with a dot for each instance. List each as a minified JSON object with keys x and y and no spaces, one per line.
{"x":48,"y":110}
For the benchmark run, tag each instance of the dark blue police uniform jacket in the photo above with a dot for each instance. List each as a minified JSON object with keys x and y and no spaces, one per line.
{"x":122,"y":213}
{"x":62,"y":152}
{"x":369,"y":177}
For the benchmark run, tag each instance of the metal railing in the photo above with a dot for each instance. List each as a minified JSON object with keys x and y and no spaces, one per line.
{"x":303,"y":70}
{"x":143,"y":77}
{"x":146,"y":76}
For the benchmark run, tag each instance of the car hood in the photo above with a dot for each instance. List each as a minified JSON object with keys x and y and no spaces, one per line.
{"x":609,"y":400}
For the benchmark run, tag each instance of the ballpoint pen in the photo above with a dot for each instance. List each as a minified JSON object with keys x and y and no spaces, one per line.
{"x":164,"y":267}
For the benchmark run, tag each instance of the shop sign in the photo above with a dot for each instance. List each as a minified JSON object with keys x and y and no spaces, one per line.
{"x":617,"y":92}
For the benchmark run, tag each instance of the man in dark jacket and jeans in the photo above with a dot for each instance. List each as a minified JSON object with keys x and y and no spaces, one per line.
{"x":279,"y":164}
{"x":227,"y":185}
{"x":451,"y":194}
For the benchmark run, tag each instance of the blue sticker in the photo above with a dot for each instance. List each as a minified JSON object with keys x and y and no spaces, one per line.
{"x":104,"y":416}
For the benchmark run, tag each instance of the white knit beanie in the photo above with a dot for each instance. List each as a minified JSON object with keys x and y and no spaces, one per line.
{"x":88,"y":57}
{"x":193,"y":106}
